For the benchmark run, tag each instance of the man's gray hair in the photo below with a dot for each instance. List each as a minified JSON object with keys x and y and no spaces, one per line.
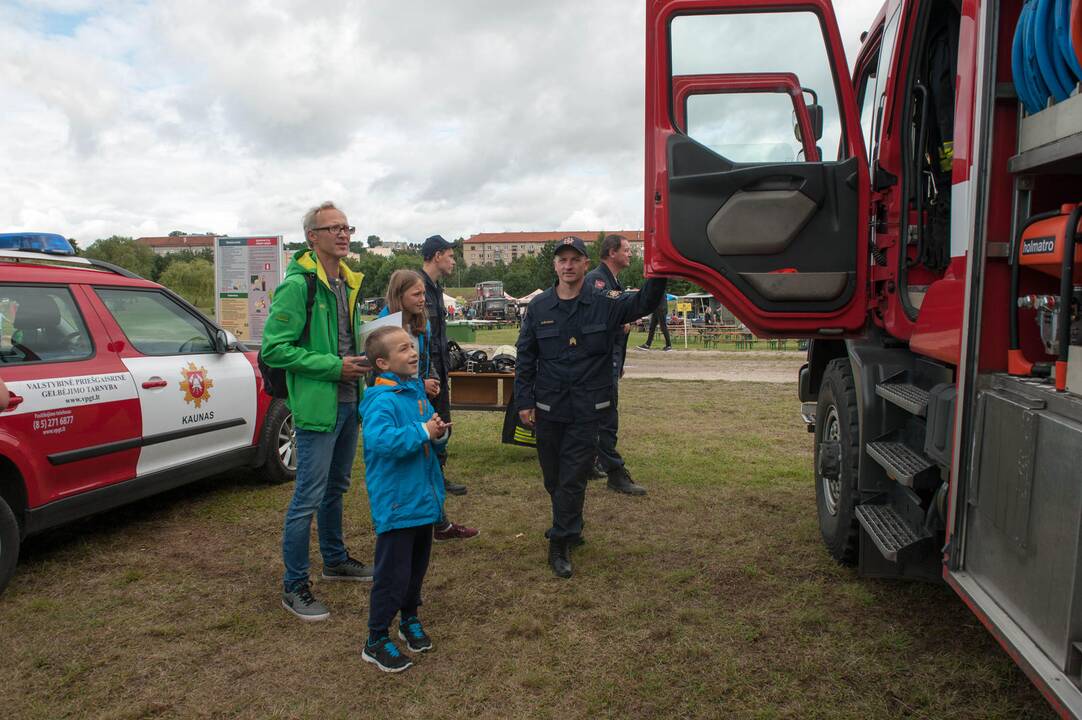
{"x":310,"y":216}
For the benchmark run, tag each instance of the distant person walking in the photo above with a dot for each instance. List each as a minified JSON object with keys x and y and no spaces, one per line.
{"x":439,"y":262}
{"x":615,"y":257}
{"x":660,"y":317}
{"x":323,"y":372}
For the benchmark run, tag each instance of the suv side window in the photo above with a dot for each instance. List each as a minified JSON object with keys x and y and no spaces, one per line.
{"x":41,"y":324}
{"x":154,"y":323}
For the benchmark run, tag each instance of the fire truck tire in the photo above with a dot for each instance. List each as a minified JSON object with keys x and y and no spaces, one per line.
{"x":279,"y":445}
{"x":9,"y":544}
{"x":837,"y":458}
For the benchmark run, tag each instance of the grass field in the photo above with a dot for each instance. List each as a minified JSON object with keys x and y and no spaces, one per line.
{"x":711,"y":597}
{"x":508,"y":336}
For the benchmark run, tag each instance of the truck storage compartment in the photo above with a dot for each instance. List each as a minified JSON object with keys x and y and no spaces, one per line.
{"x":1024,"y":515}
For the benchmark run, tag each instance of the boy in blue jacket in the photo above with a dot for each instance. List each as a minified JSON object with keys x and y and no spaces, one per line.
{"x":401,"y":434}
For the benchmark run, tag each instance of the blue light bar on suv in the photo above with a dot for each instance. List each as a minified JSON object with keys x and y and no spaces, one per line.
{"x":48,"y":243}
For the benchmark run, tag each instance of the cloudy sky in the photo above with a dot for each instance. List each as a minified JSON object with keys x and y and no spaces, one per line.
{"x":138,"y":118}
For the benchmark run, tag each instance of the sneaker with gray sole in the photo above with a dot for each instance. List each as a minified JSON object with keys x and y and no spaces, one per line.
{"x":353,"y":570}
{"x":302,"y":603}
{"x":385,"y":655}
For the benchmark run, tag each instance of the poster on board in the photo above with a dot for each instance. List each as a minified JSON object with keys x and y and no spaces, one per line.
{"x":246,"y":272}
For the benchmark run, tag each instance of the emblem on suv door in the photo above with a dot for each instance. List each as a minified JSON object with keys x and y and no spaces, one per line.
{"x":196,"y":385}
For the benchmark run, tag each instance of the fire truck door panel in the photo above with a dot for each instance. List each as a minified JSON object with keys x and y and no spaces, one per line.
{"x":738,"y":200}
{"x":1023,"y":529}
{"x":778,"y":232}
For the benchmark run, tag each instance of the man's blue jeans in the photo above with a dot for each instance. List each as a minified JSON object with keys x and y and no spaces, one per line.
{"x":324,"y":463}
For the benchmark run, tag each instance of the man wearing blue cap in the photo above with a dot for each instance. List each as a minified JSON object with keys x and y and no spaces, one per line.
{"x":439,"y":263}
{"x":564,"y":382}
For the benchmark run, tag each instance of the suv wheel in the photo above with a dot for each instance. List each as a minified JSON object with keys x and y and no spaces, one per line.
{"x":279,"y":445}
{"x":9,"y":544}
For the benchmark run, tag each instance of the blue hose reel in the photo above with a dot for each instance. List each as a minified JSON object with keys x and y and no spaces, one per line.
{"x":1043,"y":61}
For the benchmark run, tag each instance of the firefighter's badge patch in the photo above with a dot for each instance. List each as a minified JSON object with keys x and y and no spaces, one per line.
{"x":599,"y":284}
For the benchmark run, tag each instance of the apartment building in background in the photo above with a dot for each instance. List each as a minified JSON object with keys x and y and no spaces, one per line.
{"x":176,"y":243}
{"x":491,"y":248}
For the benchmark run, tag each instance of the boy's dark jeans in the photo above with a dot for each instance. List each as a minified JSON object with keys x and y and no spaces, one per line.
{"x":401,"y":563}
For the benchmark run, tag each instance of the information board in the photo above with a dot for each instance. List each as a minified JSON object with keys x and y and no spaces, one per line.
{"x":246,"y":272}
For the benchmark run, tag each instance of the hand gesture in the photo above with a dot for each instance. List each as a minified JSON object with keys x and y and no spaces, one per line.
{"x":527,"y":417}
{"x":432,"y":387}
{"x":354,"y":367}
{"x":436,"y":426}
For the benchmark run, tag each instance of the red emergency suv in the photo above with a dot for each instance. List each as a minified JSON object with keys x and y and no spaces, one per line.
{"x":120,"y":389}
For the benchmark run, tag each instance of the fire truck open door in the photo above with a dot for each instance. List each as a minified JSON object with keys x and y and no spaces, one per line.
{"x":739,"y":198}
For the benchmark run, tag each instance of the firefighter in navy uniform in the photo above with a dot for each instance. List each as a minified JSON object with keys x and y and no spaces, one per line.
{"x":615,"y":256}
{"x":564,"y":382}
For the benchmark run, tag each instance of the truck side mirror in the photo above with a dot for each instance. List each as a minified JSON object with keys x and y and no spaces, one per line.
{"x":815,"y":115}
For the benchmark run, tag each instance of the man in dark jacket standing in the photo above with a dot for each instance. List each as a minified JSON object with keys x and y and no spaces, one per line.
{"x":563,"y":383}
{"x":439,"y":263}
{"x":615,"y":257}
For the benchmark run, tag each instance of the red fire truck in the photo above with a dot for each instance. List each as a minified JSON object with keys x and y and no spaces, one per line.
{"x":925,"y":243}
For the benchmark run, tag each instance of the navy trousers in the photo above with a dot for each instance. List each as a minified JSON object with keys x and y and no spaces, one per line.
{"x":608,"y":457}
{"x":565,"y":451}
{"x":401,"y":562}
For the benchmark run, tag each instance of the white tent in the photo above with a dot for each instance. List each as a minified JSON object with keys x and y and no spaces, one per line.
{"x":449,"y":302}
{"x":526,"y":300}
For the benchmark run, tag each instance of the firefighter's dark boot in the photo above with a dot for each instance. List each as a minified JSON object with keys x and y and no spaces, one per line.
{"x":559,"y":558}
{"x":620,"y":481}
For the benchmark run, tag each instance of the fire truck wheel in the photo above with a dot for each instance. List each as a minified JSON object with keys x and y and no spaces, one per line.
{"x":837,"y":457}
{"x":279,"y":445}
{"x":9,"y":544}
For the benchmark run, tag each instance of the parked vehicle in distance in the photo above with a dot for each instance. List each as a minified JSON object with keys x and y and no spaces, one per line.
{"x":491,"y":302}
{"x":120,"y":389}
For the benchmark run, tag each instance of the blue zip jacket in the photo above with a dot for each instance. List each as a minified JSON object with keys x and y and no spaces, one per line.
{"x":424,"y":360}
{"x":405,"y":483}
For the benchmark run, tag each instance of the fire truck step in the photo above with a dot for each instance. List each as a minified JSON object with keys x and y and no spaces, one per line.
{"x":906,"y":396}
{"x":901,"y":462}
{"x":888,"y":530}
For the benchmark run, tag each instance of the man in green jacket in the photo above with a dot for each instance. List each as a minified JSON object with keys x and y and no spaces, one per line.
{"x":323,"y":376}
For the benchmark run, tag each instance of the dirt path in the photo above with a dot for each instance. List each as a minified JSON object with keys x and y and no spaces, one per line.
{"x":734,"y":366}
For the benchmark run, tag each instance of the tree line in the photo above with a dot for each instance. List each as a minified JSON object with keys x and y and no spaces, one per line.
{"x":190,"y":273}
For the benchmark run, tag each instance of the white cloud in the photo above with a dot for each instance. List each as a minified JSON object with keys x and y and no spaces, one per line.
{"x":146,"y":117}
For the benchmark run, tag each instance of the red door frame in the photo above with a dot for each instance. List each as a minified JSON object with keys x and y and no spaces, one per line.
{"x":661,"y":257}
{"x":684,"y":86}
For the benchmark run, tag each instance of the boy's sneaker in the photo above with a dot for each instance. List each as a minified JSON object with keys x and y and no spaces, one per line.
{"x":351,"y":569}
{"x":302,"y":603}
{"x":453,"y":531}
{"x":385,"y":655}
{"x":667,"y":348}
{"x":644,"y":346}
{"x":415,"y":637}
